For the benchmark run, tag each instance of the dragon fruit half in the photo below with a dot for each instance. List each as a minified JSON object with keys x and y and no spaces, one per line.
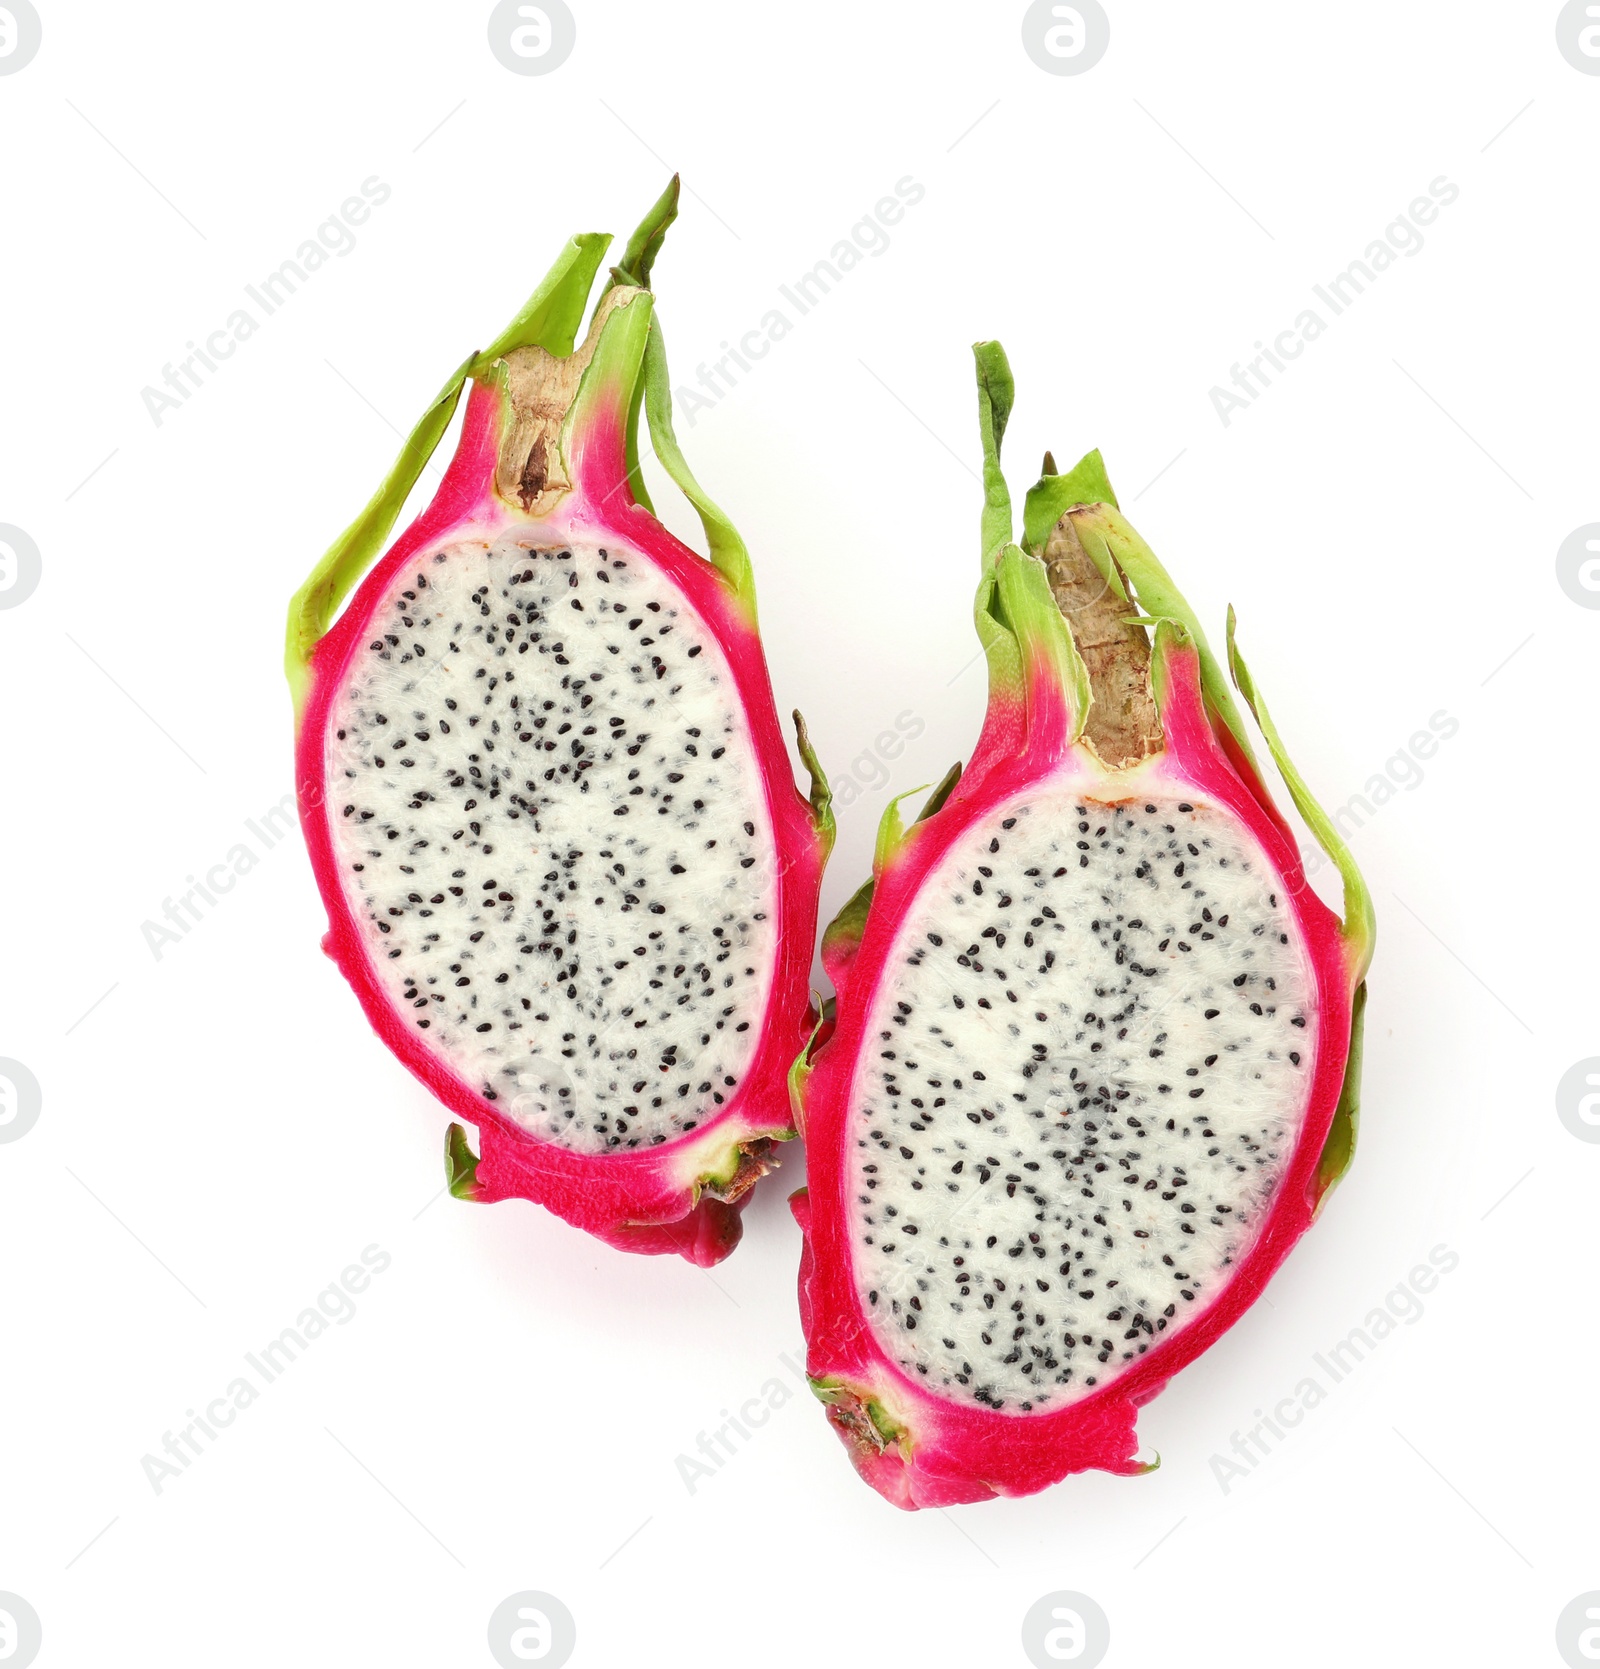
{"x":1097,"y":1048}
{"x":547,"y":795}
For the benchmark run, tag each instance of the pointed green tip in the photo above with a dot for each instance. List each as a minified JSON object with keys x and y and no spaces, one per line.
{"x":996,"y":391}
{"x":844,"y":933}
{"x":821,"y":795}
{"x":460,"y":1165}
{"x":553,"y":315}
{"x":891,"y":832}
{"x":1052,"y":496}
{"x":1359,"y":927}
{"x":997,"y":384}
{"x":892,"y":828}
{"x":645,"y":244}
{"x":1170,"y":634}
{"x":1048,"y":467}
{"x":1340,"y":1147}
{"x":728,"y":552}
{"x":946,"y":787}
{"x":801,"y":1068}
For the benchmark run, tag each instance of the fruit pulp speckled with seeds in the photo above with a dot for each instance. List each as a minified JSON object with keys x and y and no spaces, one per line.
{"x":547,"y":796}
{"x":1097,"y":1044}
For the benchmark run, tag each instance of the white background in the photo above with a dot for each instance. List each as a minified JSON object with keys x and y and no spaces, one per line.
{"x":221,"y":1134}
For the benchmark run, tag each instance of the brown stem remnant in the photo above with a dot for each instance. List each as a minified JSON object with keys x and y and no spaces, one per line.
{"x":531,"y":472}
{"x":1124,"y":724}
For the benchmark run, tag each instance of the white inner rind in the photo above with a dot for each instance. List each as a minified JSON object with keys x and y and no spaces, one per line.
{"x":552,"y":830}
{"x":1085,"y":1068}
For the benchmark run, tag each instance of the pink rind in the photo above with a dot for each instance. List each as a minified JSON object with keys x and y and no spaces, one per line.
{"x":946,"y":1452}
{"x":636,"y":1201}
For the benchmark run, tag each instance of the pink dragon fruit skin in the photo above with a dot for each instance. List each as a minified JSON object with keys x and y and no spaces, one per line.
{"x":891,"y":1322}
{"x":571,"y":498}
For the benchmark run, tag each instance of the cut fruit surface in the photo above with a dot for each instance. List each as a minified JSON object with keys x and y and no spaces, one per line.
{"x":547,"y":795}
{"x":1093,"y":1039}
{"x":1126,"y":1098}
{"x":508,"y":916}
